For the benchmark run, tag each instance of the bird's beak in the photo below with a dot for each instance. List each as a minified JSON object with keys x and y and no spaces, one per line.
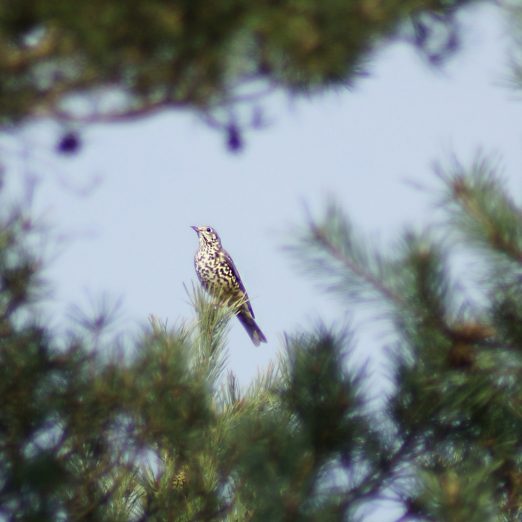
{"x":195,"y":229}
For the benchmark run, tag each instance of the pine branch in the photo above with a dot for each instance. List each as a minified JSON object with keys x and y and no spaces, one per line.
{"x":361,"y":272}
{"x":482,"y":211}
{"x":331,"y":250}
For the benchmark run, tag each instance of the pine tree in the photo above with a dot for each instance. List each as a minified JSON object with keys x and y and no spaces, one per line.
{"x":156,"y":429}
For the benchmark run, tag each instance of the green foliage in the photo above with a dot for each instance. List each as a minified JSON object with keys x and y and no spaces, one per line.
{"x":457,"y":360}
{"x":155,"y":434}
{"x":158,"y":433}
{"x":132,"y":58}
{"x":90,"y":431}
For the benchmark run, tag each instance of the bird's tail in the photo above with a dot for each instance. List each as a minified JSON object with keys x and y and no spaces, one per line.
{"x":251,"y":327}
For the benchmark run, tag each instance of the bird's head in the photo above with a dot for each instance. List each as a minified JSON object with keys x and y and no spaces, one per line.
{"x":207,"y":235}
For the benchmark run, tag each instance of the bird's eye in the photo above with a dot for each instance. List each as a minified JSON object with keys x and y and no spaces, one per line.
{"x":209,"y":230}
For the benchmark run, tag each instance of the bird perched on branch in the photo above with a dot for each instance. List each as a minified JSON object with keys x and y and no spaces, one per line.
{"x":219,"y":276}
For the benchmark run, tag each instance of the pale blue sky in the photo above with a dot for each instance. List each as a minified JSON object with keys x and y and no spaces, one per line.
{"x":129,"y":237}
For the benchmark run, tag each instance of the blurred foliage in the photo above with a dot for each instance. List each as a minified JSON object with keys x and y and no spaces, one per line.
{"x":457,"y":359}
{"x":90,"y":433}
{"x":156,"y":431}
{"x":513,"y":9}
{"x":100,"y":60}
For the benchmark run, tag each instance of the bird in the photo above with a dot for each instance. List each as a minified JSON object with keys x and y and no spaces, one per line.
{"x":219,"y":276}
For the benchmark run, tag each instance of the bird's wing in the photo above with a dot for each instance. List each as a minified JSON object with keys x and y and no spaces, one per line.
{"x":238,"y":278}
